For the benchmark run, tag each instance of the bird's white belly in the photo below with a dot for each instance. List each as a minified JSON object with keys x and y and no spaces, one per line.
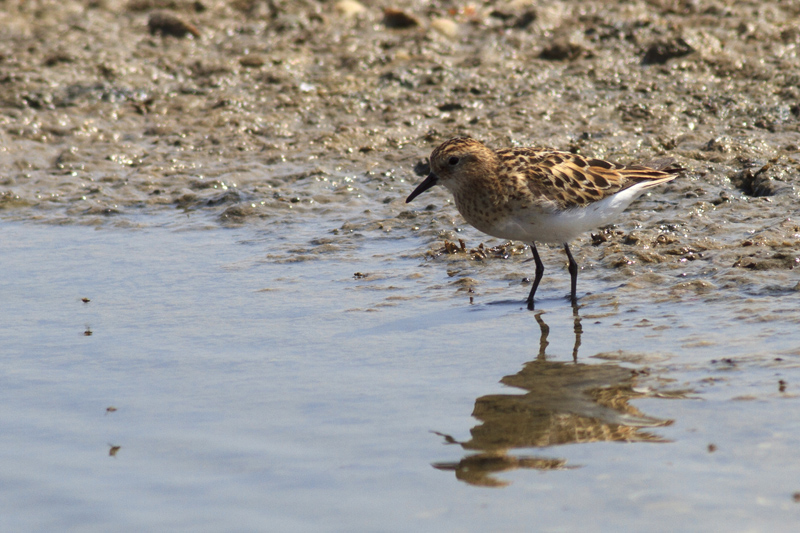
{"x":557,"y":227}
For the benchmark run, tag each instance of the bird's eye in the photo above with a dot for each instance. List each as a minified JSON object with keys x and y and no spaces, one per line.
{"x":453,"y":161}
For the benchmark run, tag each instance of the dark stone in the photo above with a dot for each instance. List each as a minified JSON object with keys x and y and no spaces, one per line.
{"x":660,"y":52}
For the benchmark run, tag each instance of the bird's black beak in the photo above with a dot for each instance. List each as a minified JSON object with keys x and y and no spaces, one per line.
{"x":429,"y":182}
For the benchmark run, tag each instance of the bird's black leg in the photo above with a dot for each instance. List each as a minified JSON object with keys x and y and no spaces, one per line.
{"x":539,"y":274}
{"x":573,"y":272}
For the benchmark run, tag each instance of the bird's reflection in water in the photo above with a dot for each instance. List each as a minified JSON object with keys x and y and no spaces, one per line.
{"x":565,"y":402}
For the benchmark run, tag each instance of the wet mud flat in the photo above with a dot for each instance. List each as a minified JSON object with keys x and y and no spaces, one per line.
{"x":285,"y":137}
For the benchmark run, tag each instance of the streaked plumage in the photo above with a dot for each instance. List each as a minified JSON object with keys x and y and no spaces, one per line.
{"x":533,"y":194}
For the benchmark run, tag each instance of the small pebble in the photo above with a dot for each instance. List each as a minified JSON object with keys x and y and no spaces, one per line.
{"x":662,"y":51}
{"x":394,"y":18}
{"x":446,"y":27}
{"x":349,"y":8}
{"x":167,"y":23}
{"x":251,"y":61}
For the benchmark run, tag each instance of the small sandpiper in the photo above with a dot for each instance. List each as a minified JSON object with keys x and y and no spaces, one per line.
{"x":536,"y":194}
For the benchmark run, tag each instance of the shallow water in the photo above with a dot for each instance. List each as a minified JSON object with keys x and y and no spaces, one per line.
{"x":257,"y":395}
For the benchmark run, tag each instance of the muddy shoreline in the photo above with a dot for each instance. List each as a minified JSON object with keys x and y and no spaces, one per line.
{"x":268,"y":111}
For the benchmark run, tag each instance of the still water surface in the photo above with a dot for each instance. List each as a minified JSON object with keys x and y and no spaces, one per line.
{"x":255,"y":394}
